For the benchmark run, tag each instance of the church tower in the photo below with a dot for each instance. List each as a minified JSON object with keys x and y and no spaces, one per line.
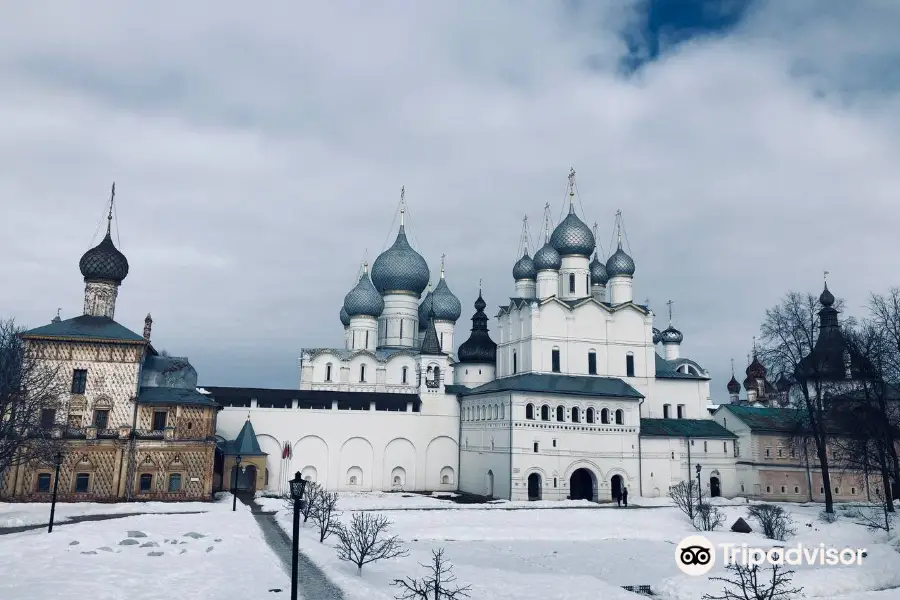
{"x":434,"y":364}
{"x":478,"y":354}
{"x":104,"y":268}
{"x":444,"y":307}
{"x":363,"y":304}
{"x":574,"y":242}
{"x":620,"y":269}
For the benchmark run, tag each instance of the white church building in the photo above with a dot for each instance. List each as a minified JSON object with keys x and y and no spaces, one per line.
{"x":580,"y":396}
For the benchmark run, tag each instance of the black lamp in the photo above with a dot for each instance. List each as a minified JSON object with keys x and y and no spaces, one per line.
{"x":298,"y":485}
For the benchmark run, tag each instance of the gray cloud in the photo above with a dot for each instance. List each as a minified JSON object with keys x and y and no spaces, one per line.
{"x":259,"y":157}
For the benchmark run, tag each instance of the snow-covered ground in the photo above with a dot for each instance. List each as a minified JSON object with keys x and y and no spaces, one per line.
{"x":89,"y":560}
{"x":532,"y":553}
{"x":17,"y":514}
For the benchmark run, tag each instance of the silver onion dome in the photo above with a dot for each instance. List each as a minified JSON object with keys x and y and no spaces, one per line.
{"x":598,"y":272}
{"x":444,"y":304}
{"x":524,"y":268}
{"x":104,"y":261}
{"x":345,"y":318}
{"x":670,"y":335}
{"x":547,"y":258}
{"x":620,"y":264}
{"x":572,"y":237}
{"x":364,"y":299}
{"x":400,"y":268}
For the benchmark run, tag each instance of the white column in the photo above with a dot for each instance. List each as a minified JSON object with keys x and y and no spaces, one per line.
{"x":547,"y":283}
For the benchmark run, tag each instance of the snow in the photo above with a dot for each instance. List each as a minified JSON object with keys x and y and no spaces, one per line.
{"x":18,"y":514}
{"x":534,"y":553}
{"x":88,"y":560}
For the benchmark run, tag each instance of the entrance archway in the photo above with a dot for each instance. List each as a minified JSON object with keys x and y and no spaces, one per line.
{"x":581,"y":485}
{"x":616,"y":483}
{"x":534,"y":487}
{"x":490,"y":484}
{"x":246,"y":478}
{"x":715,"y":489}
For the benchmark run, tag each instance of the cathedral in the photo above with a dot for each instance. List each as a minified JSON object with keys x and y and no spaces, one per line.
{"x":579,"y":397}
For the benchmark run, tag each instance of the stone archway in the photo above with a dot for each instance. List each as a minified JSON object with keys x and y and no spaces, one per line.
{"x":582,"y":485}
{"x":715,"y":487}
{"x":490,"y":484}
{"x":534,"y":486}
{"x":616,"y":484}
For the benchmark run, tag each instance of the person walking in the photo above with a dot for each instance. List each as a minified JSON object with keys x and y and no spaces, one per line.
{"x":625,"y":497}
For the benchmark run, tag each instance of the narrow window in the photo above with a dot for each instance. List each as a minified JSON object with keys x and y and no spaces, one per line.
{"x":403,"y":374}
{"x":673,"y":455}
{"x":545,"y":413}
{"x":592,"y":363}
{"x":589,"y":416}
{"x":554,"y":482}
{"x":146,"y":482}
{"x":571,"y":283}
{"x":529,"y":411}
{"x":43,"y":482}
{"x":779,"y":453}
{"x":367,"y":339}
{"x":560,"y":413}
{"x":79,"y":381}
{"x":604,"y":416}
{"x":175,"y":482}
{"x":535,"y":446}
{"x":587,"y":283}
{"x":159,"y":420}
{"x":496,"y":412}
{"x":620,"y":417}
{"x":768,"y":489}
{"x":502,"y":411}
{"x":554,"y":357}
{"x":442,"y":339}
{"x":796,"y":489}
{"x":680,"y":408}
{"x":362,"y":373}
{"x":768,"y":452}
{"x":725,"y":447}
{"x":554,"y":443}
{"x":666,"y":408}
{"x":48,"y":418}
{"x":783,"y":489}
{"x":101,"y":419}
{"x":704,"y":447}
{"x":515,"y":365}
{"x":83,"y":483}
{"x":401,"y":328}
{"x":328,"y":372}
{"x":629,"y":365}
{"x":576,"y":417}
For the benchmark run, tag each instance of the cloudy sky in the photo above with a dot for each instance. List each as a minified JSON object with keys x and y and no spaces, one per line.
{"x":259,"y":153}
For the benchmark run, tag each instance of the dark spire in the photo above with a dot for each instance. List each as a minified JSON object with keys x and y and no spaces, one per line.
{"x":826,"y":360}
{"x":479,"y":348}
{"x":733,"y":386}
{"x":431,"y":344}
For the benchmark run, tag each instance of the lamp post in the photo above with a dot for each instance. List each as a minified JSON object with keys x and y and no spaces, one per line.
{"x":55,"y":489}
{"x":237,"y":467}
{"x":298,"y":484}
{"x":699,"y":498}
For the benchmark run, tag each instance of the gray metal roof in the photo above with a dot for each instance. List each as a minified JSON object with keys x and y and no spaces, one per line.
{"x":87,"y":328}
{"x":572,"y":237}
{"x":400,"y":268}
{"x":104,"y":262}
{"x":524,"y":268}
{"x":698,"y":428}
{"x":364,"y":299}
{"x":598,"y":272}
{"x":381,"y":355}
{"x":620,"y":264}
{"x":547,"y":258}
{"x":572,"y":385}
{"x":168,"y":372}
{"x":665,"y":369}
{"x":174,"y":396}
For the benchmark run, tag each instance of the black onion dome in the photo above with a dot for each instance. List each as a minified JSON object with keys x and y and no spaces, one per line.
{"x":345,"y":318}
{"x":400,"y":268}
{"x":572,"y":237}
{"x":756,"y":370}
{"x":656,"y":334}
{"x":733,"y":386}
{"x":599,"y":276}
{"x":827,"y":298}
{"x":445,"y":305}
{"x":364,"y":299}
{"x":670,"y":335}
{"x":524,"y":268}
{"x":547,"y":258}
{"x":479,"y":348}
{"x":748,"y":385}
{"x":620,"y":264}
{"x":104,"y":261}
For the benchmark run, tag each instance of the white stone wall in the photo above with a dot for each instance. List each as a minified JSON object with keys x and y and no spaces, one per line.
{"x":579,"y":267}
{"x":472,"y":375}
{"x":664,"y":463}
{"x":387,"y":376}
{"x":398,"y":325}
{"x":363,"y":333}
{"x":485,"y":446}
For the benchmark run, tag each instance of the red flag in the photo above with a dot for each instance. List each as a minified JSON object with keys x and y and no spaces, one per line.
{"x":287,"y":450}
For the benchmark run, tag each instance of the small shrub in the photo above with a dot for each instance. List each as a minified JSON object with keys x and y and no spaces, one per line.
{"x":365,"y":540}
{"x":776,"y":522}
{"x":708,"y":517}
{"x":828,"y":517}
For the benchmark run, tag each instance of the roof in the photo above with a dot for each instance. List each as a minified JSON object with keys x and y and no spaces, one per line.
{"x":244,"y":444}
{"x":85,"y":328}
{"x":380,"y":355}
{"x":780,"y":420}
{"x":455,"y":388}
{"x":276,"y":398}
{"x":665,"y":369}
{"x":697,"y":428}
{"x":572,"y":385}
{"x":174,"y":396}
{"x":518,"y":303}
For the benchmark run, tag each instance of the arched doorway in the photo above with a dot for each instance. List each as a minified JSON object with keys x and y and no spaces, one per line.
{"x":490,"y":484}
{"x":534,"y":487}
{"x":581,"y":485}
{"x":616,"y":483}
{"x":714,"y":487}
{"x":246,"y":478}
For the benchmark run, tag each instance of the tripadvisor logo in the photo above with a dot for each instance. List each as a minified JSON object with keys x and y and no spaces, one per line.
{"x":696,"y":555}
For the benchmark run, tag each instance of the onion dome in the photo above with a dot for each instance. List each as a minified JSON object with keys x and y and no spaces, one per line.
{"x":524,"y":268}
{"x":827,"y":298}
{"x":620,"y":264}
{"x":104,"y":261}
{"x":756,"y":370}
{"x":364,"y":299}
{"x":733,"y":386}
{"x":345,"y":318}
{"x":400,"y":269}
{"x":599,"y":276}
{"x":670,"y":335}
{"x":656,"y":334}
{"x":547,"y":258}
{"x":748,"y":385}
{"x":572,"y":237}
{"x":444,"y":305}
{"x":479,"y":348}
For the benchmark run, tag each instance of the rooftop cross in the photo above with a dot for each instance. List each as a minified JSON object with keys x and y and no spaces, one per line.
{"x":112,"y":199}
{"x":670,"y":303}
{"x":443,"y":257}
{"x":402,"y":204}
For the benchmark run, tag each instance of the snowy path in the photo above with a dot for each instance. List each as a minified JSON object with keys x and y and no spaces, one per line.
{"x":83,"y":518}
{"x":313,"y":583}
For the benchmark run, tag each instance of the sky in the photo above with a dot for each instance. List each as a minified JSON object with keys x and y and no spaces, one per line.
{"x":259,"y":154}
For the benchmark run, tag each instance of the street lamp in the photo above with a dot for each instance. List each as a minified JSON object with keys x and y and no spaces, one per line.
{"x":699,"y":499}
{"x":298,"y":484}
{"x":237,"y":467}
{"x":55,"y":488}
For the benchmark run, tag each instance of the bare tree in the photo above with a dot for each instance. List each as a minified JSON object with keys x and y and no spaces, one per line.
{"x":29,"y":386}
{"x":776,"y":522}
{"x":877,"y":516}
{"x":684,"y":496}
{"x":438,"y":584}
{"x":325,"y":515}
{"x":313,"y":494}
{"x":745,"y":584}
{"x":366,"y":540}
{"x":708,"y":517}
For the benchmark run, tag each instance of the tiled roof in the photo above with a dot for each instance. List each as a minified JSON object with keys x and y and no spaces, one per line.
{"x":314,"y":398}
{"x":244,"y":444}
{"x":665,"y":370}
{"x":573,"y":385}
{"x":174,"y":396}
{"x":697,"y":428}
{"x":782,"y":420}
{"x":86,"y":327}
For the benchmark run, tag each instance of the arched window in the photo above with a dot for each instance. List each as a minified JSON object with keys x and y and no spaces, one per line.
{"x":554,"y":360}
{"x":545,"y":413}
{"x":328,"y":372}
{"x":480,"y":413}
{"x":362,"y":373}
{"x":529,"y":411}
{"x":629,"y":365}
{"x":589,"y":415}
{"x":592,"y":362}
{"x":502,"y":411}
{"x":403,"y":374}
{"x":620,"y":417}
{"x":367,"y":339}
{"x":496,"y":412}
{"x":571,"y":283}
{"x":560,"y":413}
{"x":576,"y":416}
{"x":604,"y":416}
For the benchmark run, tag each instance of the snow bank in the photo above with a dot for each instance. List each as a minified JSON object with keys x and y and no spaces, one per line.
{"x":17,"y":514}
